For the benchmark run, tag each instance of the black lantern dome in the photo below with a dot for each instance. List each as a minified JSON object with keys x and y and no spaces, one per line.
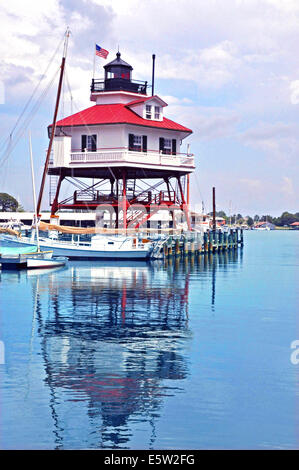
{"x":118,"y":77}
{"x":118,"y":68}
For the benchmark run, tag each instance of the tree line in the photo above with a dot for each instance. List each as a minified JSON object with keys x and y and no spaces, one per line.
{"x":286,"y":218}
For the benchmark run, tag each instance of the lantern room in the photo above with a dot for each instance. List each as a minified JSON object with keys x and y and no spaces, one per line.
{"x":118,"y":77}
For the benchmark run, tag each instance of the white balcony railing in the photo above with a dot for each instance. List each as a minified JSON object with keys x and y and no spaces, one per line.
{"x":124,"y":155}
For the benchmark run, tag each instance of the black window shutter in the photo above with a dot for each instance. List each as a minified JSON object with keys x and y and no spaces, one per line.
{"x":144,"y":143}
{"x":83,"y":143}
{"x":173,"y":147}
{"x":131,"y":141}
{"x":94,"y":143}
{"x":161,"y":144}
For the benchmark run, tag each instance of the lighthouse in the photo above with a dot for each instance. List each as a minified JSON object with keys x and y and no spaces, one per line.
{"x":122,"y":153}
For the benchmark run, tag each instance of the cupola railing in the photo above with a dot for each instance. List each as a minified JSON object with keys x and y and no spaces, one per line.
{"x":119,"y":84}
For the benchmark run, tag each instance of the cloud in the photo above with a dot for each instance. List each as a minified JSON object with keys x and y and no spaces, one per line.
{"x":264,"y":132}
{"x":207,"y":123}
{"x":287,"y":186}
{"x":294,"y":89}
{"x":280,"y":141}
{"x":2,"y":93}
{"x":252,"y":183}
{"x":170,"y":100}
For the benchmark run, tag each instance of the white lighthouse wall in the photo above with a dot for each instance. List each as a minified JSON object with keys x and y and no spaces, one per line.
{"x":108,"y":136}
{"x":138,"y":109}
{"x":117,"y":136}
{"x":114,"y":97}
{"x":61,"y":150}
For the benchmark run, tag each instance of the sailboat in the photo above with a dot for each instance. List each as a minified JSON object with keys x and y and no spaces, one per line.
{"x":32,"y":257}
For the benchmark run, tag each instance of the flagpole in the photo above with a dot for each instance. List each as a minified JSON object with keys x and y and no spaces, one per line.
{"x":94,"y":60}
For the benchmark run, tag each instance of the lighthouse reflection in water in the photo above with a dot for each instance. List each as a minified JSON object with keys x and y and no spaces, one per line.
{"x":113,"y":342}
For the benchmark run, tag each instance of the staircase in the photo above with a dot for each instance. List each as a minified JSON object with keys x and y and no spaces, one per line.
{"x":52,"y":188}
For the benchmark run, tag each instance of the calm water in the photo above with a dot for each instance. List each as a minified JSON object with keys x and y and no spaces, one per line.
{"x":184,"y":355}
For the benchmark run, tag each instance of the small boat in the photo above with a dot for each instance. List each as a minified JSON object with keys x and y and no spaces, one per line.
{"x":37,"y":263}
{"x":28,"y":258}
{"x":16,"y":257}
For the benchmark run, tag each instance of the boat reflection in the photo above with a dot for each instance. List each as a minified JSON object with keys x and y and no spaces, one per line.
{"x":113,"y":341}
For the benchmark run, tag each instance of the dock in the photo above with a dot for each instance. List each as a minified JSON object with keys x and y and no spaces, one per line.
{"x":197,"y":243}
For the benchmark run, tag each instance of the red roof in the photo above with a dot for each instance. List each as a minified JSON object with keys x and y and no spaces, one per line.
{"x":116,"y":114}
{"x":295,"y":223}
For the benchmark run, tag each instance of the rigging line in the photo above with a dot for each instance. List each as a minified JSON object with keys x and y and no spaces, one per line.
{"x":78,"y":183}
{"x":22,"y":130}
{"x":198,"y":188}
{"x":83,"y":120}
{"x":69,"y":89}
{"x":35,"y":90}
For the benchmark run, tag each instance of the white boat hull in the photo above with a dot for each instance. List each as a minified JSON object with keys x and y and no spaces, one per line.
{"x":85,"y":251}
{"x":35,"y":263}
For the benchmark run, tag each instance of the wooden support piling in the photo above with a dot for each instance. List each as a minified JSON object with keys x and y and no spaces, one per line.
{"x":170,"y":247}
{"x":215,"y":245}
{"x":210,"y":248}
{"x":165,"y":250}
{"x":177,"y":247}
{"x":206,"y":242}
{"x":186,"y":248}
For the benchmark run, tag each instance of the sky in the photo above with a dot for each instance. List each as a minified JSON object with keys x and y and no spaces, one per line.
{"x":228,"y":70}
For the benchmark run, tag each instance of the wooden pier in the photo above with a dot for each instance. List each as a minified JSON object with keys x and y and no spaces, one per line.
{"x":197,"y":243}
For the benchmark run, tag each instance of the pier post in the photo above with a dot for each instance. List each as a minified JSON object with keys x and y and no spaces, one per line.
{"x":205,"y":242}
{"x":220,"y":240}
{"x":225,"y":240}
{"x":230,"y":239}
{"x":170,"y":247}
{"x":165,"y":249}
{"x":177,"y":247}
{"x":210,"y":241}
{"x":236,"y":238}
{"x":199,"y":244}
{"x":185,"y":247}
{"x":192,"y":245}
{"x":215,"y":240}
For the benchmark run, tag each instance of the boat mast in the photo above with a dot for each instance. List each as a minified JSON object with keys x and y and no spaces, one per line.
{"x":42,"y":186}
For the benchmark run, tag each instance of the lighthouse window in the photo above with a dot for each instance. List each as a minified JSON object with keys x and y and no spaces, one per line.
{"x":157,"y":112}
{"x":167,"y":146}
{"x":135,"y":142}
{"x":138,"y":143}
{"x":89,"y":142}
{"x":148,"y":111}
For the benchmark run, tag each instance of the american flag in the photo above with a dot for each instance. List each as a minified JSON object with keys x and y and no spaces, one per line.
{"x":101,"y":52}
